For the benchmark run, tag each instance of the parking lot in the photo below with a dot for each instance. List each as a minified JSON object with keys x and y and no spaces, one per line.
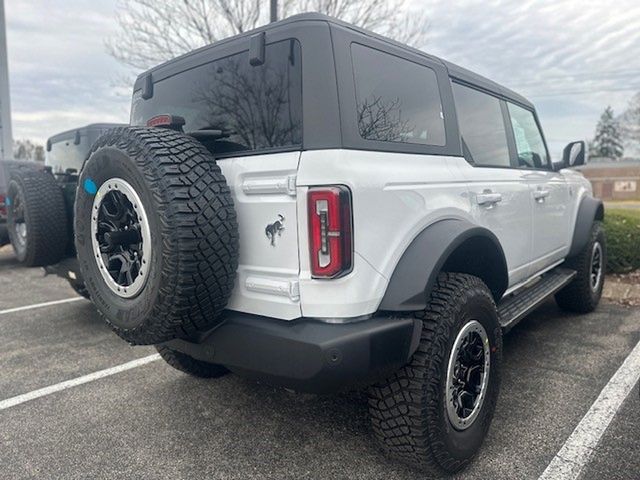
{"x":151,"y":421}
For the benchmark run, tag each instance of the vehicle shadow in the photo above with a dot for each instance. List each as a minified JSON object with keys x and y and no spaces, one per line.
{"x":8,"y":259}
{"x":247,"y":426}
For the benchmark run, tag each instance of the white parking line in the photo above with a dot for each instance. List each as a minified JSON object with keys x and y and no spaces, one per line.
{"x":58,"y":387}
{"x":40,"y":305}
{"x":581,"y":444}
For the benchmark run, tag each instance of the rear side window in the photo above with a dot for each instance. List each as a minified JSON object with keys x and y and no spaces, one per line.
{"x":484,"y":138}
{"x":258,"y":108}
{"x":532,"y":152}
{"x":397,"y":100}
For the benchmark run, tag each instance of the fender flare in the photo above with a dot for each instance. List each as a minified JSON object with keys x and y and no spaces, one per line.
{"x":422,"y":261}
{"x":590,"y":210}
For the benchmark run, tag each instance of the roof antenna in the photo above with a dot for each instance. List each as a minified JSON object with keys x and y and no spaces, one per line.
{"x":274,"y":11}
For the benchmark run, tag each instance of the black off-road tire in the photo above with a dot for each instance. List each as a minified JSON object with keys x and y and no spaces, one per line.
{"x":45,"y":217}
{"x":579,"y":296}
{"x":408,"y":410}
{"x":185,"y":363}
{"x":194,"y":233}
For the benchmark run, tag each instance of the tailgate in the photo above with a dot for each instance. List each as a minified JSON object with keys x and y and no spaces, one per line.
{"x":263,"y":189}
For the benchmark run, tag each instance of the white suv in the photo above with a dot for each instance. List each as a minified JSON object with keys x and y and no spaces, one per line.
{"x":319,"y":207}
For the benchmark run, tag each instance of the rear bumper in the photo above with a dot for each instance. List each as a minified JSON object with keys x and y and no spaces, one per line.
{"x":306,"y":354}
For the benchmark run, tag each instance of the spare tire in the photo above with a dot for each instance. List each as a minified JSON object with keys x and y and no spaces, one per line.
{"x":36,"y":217}
{"x":156,"y":234}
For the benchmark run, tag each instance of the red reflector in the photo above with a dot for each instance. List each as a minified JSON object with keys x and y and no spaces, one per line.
{"x":330,"y":239}
{"x":165,"y":121}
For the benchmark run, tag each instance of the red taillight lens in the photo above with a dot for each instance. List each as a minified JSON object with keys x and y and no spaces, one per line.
{"x":3,"y":205}
{"x":330,"y":238}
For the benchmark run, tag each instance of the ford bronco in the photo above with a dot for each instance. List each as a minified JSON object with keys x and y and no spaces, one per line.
{"x":318,"y":207}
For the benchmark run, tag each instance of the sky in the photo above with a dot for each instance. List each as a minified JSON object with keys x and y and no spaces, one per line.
{"x":570,"y":58}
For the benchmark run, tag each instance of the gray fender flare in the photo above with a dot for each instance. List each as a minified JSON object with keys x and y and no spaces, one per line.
{"x":420,"y":264}
{"x":590,"y":210}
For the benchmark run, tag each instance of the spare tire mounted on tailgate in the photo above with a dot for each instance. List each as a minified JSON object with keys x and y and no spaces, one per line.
{"x":156,"y":234}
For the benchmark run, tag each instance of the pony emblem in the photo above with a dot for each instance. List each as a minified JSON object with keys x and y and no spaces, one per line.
{"x":274,"y":230}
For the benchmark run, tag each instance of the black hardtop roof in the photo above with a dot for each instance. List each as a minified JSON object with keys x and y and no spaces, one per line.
{"x":92,"y":126}
{"x":456,"y":72}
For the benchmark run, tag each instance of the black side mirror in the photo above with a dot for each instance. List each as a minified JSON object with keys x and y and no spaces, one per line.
{"x":574,"y":154}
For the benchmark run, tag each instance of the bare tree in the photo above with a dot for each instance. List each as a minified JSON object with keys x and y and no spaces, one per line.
{"x":151,"y":32}
{"x":28,"y":150}
{"x":380,"y":120}
{"x":630,"y":123}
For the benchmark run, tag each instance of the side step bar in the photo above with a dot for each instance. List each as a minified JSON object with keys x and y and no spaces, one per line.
{"x":518,"y":305}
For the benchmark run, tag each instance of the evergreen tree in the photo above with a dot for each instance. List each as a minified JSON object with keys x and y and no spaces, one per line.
{"x":608,"y":139}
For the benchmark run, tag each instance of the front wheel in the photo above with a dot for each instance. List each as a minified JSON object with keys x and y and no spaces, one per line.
{"x":435,"y":412}
{"x":583,"y":294}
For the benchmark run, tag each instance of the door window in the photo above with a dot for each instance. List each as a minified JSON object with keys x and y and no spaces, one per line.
{"x":530,"y":146}
{"x":484,"y":137}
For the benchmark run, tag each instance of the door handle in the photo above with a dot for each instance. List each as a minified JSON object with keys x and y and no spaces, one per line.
{"x":541,"y":194}
{"x":488,"y":198}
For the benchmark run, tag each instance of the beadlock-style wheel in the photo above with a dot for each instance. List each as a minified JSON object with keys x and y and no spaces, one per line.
{"x":155,"y":234}
{"x":121,"y":237}
{"x":596,"y":266}
{"x":467,"y":375}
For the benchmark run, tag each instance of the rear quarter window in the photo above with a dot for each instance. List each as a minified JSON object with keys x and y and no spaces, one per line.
{"x":258,"y":107}
{"x":397,"y":100}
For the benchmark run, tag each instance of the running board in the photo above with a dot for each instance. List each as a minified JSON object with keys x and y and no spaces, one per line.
{"x":516,"y":306}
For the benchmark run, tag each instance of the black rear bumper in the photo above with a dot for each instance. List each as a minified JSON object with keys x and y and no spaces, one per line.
{"x":306,"y":354}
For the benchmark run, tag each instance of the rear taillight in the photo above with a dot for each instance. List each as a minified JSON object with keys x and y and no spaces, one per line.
{"x":330,"y":237}
{"x":3,"y":206}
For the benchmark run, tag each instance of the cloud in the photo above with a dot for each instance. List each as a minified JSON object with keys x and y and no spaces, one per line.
{"x":571,"y":58}
{"x":60,"y":74}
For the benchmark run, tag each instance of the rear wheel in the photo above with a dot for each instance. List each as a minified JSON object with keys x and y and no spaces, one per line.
{"x":435,"y":412}
{"x":583,"y":294}
{"x":185,"y":363}
{"x":36,"y":218}
{"x":156,"y":234}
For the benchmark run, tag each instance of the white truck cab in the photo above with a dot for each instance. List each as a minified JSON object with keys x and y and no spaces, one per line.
{"x":319,"y":207}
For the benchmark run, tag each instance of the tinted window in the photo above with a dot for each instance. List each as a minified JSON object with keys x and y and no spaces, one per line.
{"x":397,"y":100}
{"x":529,"y":144}
{"x":257,"y":107}
{"x":482,"y":127}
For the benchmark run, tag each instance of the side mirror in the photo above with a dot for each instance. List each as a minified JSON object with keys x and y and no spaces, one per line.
{"x":574,"y":154}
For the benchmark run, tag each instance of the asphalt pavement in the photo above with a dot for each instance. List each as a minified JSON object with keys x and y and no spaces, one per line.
{"x":155,"y":422}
